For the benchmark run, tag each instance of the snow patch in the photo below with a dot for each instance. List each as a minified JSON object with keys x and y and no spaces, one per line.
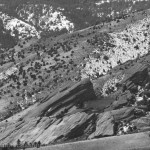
{"x":14,"y":25}
{"x":45,"y":17}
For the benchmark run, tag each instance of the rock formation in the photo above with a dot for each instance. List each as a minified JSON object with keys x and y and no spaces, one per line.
{"x":47,"y":99}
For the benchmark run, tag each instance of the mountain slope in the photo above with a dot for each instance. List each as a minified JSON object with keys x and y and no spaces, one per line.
{"x":45,"y":96}
{"x":50,"y":18}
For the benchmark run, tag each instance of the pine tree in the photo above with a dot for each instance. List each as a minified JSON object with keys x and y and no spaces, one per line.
{"x":18,"y":143}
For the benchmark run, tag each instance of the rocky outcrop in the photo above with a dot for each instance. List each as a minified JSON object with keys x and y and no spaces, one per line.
{"x":122,"y":100}
{"x":70,"y":127}
{"x":77,"y":94}
{"x":143,"y":123}
{"x":125,"y":113}
{"x":105,"y":122}
{"x":58,"y":118}
{"x":104,"y":126}
{"x":52,"y":120}
{"x":48,"y":130}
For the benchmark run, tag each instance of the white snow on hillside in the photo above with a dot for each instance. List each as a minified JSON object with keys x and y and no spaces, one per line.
{"x":23,"y":29}
{"x":45,"y":17}
{"x":131,"y":43}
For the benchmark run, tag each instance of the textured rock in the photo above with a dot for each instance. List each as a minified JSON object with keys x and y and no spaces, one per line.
{"x":142,"y":123}
{"x":104,"y":126}
{"x":125,"y":113}
{"x":47,"y":130}
{"x":78,"y":93}
{"x":69,"y":127}
{"x":139,"y":77}
{"x":42,"y":124}
{"x":105,"y":121}
{"x":123,"y":99}
{"x":136,"y":75}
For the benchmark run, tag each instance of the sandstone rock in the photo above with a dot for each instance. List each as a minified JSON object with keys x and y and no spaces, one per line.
{"x":142,"y":123}
{"x":139,"y":77}
{"x":123,"y":99}
{"x":99,"y":104}
{"x":136,"y":74}
{"x":42,"y":124}
{"x":104,"y":126}
{"x":105,"y":121}
{"x":66,"y":128}
{"x":78,"y":93}
{"x":126,"y":113}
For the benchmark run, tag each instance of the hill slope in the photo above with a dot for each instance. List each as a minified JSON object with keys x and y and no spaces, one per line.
{"x":45,"y":96}
{"x":50,"y":18}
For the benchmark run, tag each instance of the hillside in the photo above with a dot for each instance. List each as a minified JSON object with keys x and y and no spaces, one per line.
{"x":91,"y":83}
{"x":24,"y":18}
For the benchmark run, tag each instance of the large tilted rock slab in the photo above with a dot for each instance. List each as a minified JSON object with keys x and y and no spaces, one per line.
{"x":104,"y":126}
{"x":38,"y":124}
{"x":69,"y":127}
{"x":81,"y":91}
{"x":105,"y":121}
{"x":136,"y":73}
{"x":47,"y":130}
{"x":125,"y":113}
